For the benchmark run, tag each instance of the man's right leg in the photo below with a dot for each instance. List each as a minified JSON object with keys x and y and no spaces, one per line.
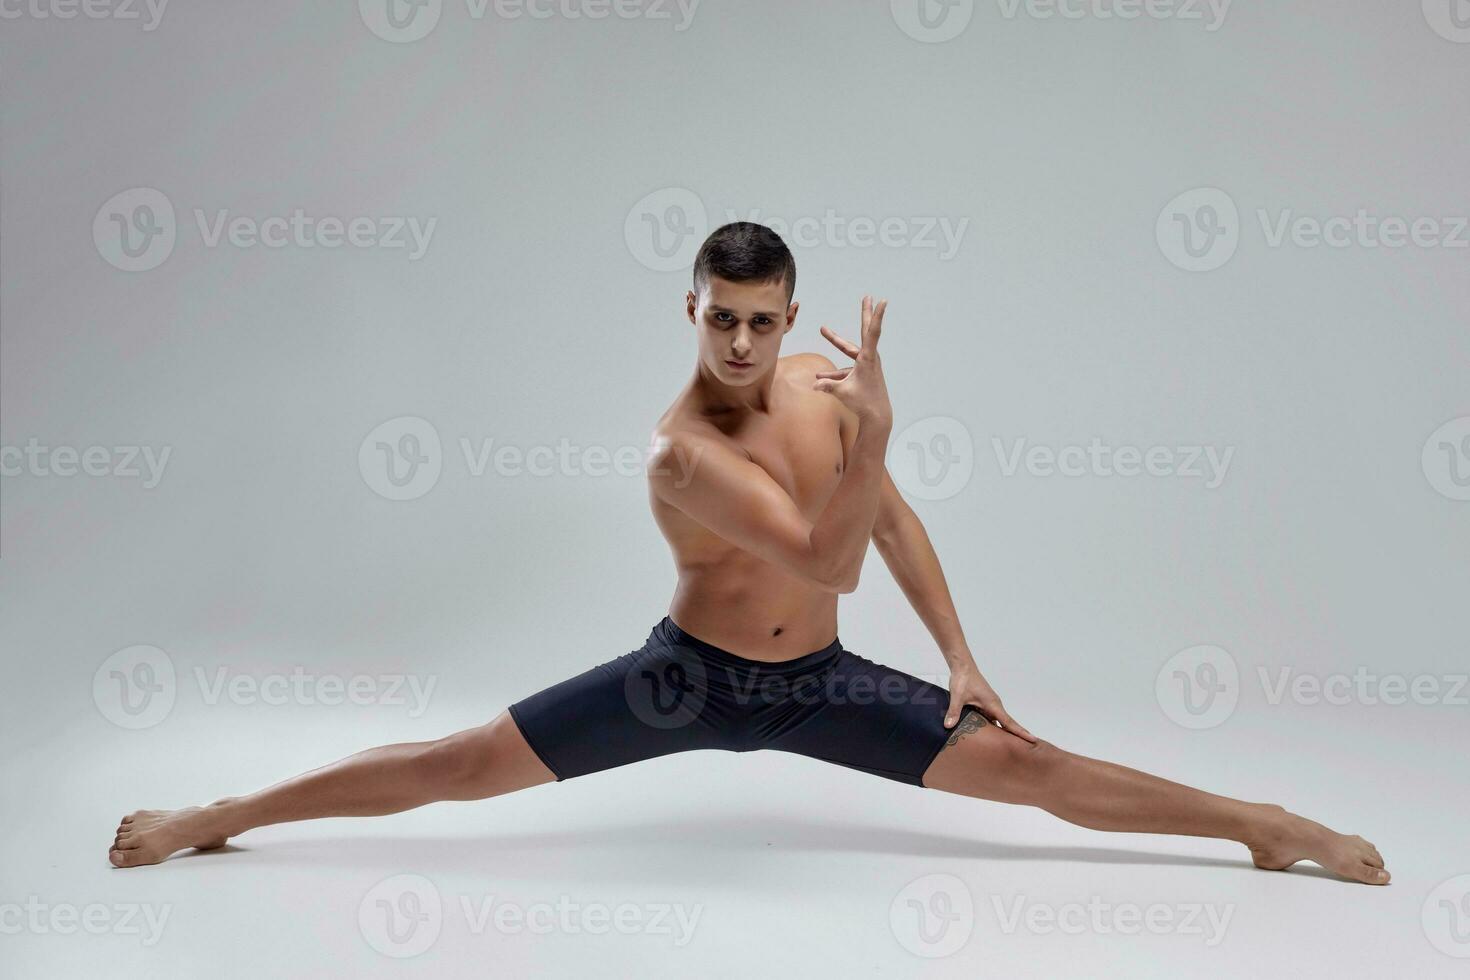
{"x":470,"y":765}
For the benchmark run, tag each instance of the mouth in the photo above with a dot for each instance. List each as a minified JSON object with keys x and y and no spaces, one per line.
{"x":739,"y":365}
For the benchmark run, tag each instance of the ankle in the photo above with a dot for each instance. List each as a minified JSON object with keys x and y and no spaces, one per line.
{"x":225,"y":816}
{"x":1265,"y":822}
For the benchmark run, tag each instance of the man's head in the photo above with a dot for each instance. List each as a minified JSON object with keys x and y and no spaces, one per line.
{"x":744,"y":278}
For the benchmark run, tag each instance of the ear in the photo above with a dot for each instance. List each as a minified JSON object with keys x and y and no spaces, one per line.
{"x":791,"y":316}
{"x":691,"y":303}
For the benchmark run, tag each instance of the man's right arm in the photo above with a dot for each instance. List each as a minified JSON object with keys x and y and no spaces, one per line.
{"x":739,"y":501}
{"x":736,"y":499}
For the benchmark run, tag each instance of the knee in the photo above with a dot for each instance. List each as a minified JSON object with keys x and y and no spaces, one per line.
{"x":461,"y":765}
{"x":1025,"y":767}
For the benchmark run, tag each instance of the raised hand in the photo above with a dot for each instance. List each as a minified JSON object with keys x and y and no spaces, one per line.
{"x":860,"y":387}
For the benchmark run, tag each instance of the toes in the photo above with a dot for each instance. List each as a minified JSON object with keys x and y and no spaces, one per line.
{"x":128,"y":818}
{"x":1371,"y":875}
{"x":130,"y":857}
{"x":127,"y":844}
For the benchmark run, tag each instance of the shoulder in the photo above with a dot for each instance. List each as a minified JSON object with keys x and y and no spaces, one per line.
{"x":804,"y":366}
{"x":677,"y":445}
{"x":799,"y":372}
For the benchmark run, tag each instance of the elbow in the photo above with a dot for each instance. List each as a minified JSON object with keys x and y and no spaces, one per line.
{"x":839,"y":580}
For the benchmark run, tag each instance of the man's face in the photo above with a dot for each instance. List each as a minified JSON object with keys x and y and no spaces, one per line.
{"x":740,"y":326}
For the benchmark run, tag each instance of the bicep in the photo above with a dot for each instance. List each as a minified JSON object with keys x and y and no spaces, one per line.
{"x":737,"y":500}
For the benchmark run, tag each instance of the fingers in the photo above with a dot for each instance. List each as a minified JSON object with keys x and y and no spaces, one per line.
{"x":1011,"y":725}
{"x":873,"y":323}
{"x":824,"y":386}
{"x":952,"y":716}
{"x":846,"y":346}
{"x":836,"y":375}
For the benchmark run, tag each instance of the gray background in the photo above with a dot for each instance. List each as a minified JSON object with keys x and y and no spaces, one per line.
{"x":532,"y":319}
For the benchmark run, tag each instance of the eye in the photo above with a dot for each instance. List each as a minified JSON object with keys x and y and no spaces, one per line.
{"x":724,"y":318}
{"x":763,"y":321}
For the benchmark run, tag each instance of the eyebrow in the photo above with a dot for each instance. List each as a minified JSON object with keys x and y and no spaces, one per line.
{"x":725,"y":309}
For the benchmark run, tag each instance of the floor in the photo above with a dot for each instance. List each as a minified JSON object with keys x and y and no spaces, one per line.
{"x":718,"y":865}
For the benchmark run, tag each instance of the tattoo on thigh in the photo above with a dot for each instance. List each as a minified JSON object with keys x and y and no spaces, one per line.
{"x":972,"y":722}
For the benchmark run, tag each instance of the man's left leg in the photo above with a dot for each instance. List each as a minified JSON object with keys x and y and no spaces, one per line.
{"x":986,"y":762}
{"x":870,"y":717}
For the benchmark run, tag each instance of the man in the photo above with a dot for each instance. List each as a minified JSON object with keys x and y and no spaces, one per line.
{"x":768,"y":481}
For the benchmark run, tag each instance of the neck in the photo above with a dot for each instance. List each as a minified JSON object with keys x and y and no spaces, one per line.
{"x":716,"y":396}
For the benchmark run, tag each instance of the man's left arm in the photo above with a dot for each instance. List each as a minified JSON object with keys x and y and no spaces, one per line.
{"x":909,"y":555}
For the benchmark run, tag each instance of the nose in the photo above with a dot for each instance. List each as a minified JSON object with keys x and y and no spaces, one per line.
{"x":741,"y":345}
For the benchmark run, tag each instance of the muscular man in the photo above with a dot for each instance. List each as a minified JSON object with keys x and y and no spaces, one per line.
{"x":767,"y":479}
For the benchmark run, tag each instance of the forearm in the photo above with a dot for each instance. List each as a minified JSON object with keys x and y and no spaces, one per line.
{"x":910,"y":557}
{"x":839,"y":539}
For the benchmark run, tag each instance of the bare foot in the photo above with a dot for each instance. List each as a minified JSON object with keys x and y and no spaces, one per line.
{"x":149,"y":836}
{"x":1285,"y":839}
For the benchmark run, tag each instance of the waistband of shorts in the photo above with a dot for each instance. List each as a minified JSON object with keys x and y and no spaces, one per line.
{"x":671,"y":633}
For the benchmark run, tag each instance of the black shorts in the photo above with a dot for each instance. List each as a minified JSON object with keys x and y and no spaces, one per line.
{"x":678,"y":693}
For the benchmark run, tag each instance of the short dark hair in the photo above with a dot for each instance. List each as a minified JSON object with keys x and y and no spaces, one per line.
{"x":744,"y":251}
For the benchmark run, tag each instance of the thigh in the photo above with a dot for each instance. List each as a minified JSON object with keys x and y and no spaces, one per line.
{"x":872,"y":718}
{"x":642,"y":705}
{"x":983,"y":760}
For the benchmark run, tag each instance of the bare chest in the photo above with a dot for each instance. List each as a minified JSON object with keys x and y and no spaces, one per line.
{"x":802,"y":451}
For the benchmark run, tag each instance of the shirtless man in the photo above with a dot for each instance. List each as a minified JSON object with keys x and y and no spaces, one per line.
{"x":767,"y":478}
